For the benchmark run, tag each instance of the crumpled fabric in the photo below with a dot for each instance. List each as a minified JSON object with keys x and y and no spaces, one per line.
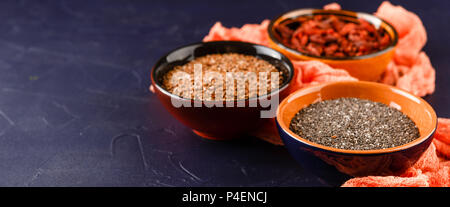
{"x":316,"y":72}
{"x":254,"y":33}
{"x":410,"y":70}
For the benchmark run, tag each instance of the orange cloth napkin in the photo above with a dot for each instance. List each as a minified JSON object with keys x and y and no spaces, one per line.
{"x":431,"y":170}
{"x":410,"y":70}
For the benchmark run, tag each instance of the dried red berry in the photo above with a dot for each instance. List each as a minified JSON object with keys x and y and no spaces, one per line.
{"x":328,"y":35}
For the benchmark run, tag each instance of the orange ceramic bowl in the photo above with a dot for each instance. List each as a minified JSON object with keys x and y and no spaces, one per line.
{"x":368,"y":67}
{"x":332,"y":163}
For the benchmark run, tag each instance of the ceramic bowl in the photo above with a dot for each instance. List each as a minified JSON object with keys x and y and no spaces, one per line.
{"x":336,"y":165}
{"x":220,"y":122}
{"x":368,"y":67}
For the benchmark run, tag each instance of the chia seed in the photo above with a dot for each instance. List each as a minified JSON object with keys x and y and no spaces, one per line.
{"x":354,"y":124}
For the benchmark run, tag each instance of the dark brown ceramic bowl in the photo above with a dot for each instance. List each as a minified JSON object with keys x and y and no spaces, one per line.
{"x":219,"y":122}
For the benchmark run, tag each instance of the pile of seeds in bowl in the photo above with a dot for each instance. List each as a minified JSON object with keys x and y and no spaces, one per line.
{"x":354,"y":124}
{"x":331,"y":36}
{"x":227,"y":65}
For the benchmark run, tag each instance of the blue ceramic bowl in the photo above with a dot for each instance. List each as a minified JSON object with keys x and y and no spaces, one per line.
{"x":334,"y":165}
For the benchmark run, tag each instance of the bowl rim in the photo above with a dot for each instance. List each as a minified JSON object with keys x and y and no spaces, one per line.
{"x":284,"y":86}
{"x":292,"y":135}
{"x":347,"y":13}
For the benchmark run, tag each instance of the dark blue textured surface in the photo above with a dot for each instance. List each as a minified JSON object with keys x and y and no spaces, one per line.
{"x":75,"y":109}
